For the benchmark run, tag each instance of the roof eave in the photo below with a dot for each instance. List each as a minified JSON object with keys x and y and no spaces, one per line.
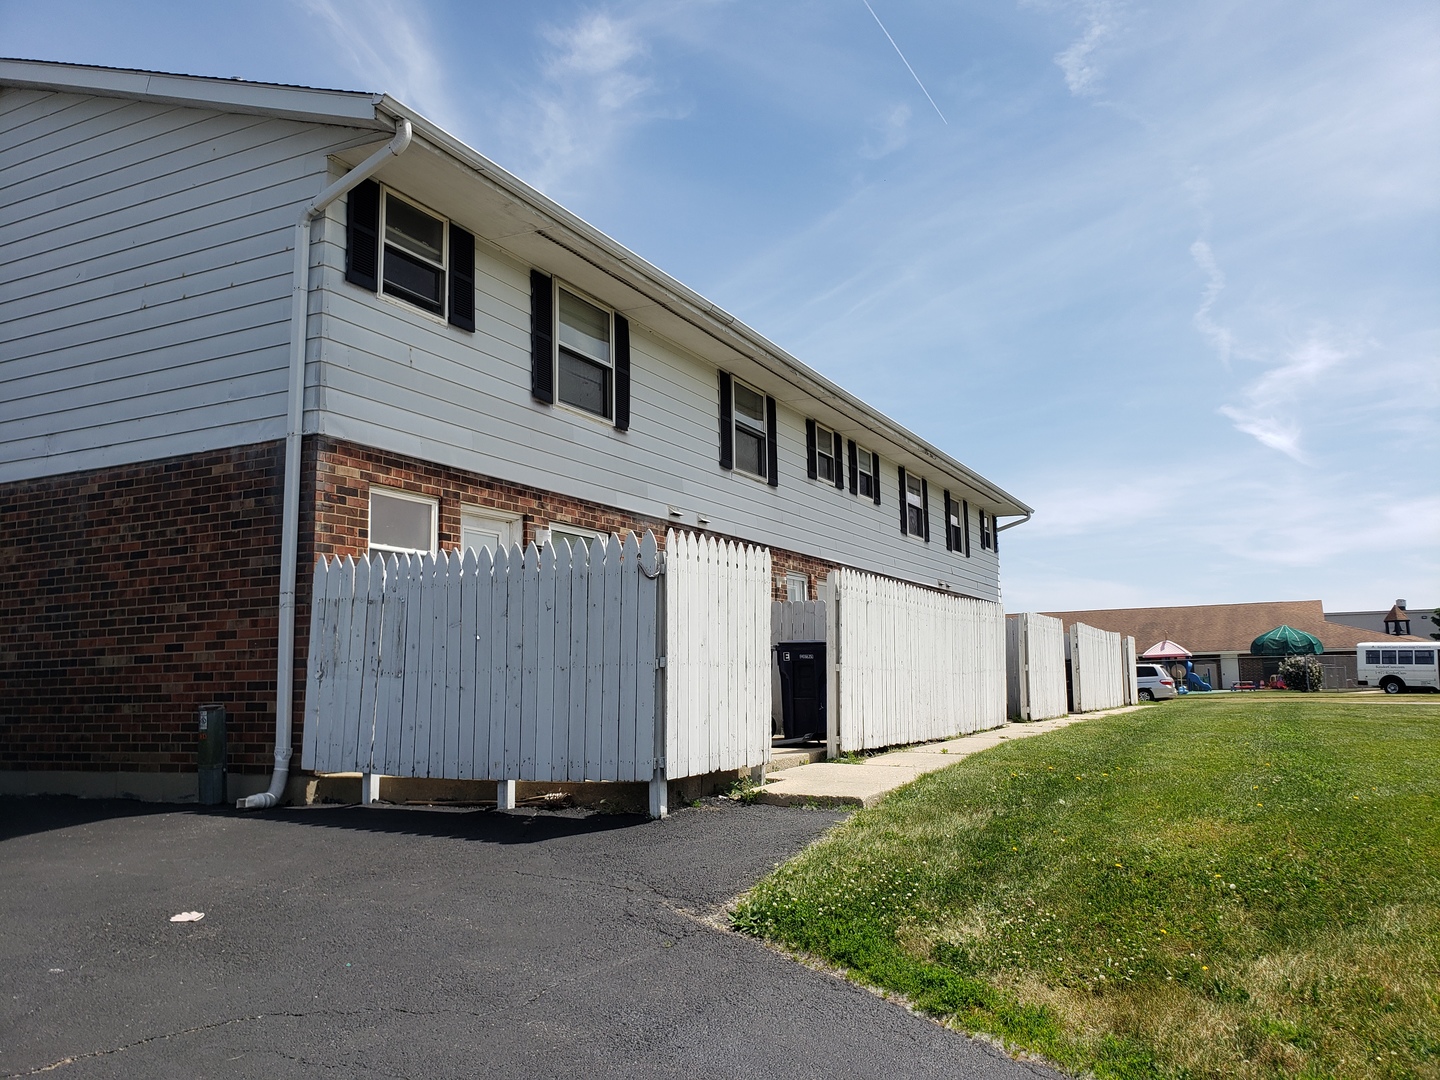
{"x":689,"y":304}
{"x":348,"y":108}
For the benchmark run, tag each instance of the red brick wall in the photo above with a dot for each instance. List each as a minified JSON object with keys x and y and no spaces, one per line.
{"x":344,"y":472}
{"x":131,"y":596}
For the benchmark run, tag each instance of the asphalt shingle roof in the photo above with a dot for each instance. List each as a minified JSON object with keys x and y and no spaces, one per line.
{"x":1213,"y":628}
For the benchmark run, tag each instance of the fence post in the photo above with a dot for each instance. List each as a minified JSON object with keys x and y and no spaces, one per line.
{"x":832,"y":664}
{"x":659,"y":781}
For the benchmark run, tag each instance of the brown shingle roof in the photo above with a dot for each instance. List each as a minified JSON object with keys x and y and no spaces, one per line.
{"x":1213,"y":628}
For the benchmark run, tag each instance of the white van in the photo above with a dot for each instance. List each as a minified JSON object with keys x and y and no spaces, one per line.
{"x":1396,"y":666}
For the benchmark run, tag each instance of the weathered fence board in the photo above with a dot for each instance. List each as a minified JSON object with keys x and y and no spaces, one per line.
{"x":910,"y":664}
{"x":541,"y":664}
{"x":1035,"y":666}
{"x":717,"y":634}
{"x":1097,"y":672}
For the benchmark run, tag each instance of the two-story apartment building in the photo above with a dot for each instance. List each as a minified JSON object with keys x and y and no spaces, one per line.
{"x":244,"y":325}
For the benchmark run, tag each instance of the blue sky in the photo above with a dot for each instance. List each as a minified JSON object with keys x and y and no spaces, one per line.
{"x":1167,"y":272}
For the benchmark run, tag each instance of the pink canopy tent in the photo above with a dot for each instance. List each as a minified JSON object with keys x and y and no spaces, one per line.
{"x":1166,"y":650}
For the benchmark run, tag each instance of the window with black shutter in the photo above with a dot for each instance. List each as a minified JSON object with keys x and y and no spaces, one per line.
{"x":965,"y":525}
{"x":396,"y":247}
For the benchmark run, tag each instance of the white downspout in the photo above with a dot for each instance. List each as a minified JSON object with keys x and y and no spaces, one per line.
{"x":290,"y":526}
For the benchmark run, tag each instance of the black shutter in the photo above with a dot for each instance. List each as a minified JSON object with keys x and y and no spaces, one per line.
{"x":811,"y":470}
{"x":854,"y":484}
{"x":925,"y":507}
{"x":904,"y":504}
{"x":949,"y":538}
{"x":727,"y":422}
{"x":362,"y":236}
{"x":838,"y":446}
{"x":622,"y":372}
{"x":965,"y":524}
{"x":875,"y":476}
{"x":542,"y":338}
{"x":772,"y":443}
{"x":462,"y":278}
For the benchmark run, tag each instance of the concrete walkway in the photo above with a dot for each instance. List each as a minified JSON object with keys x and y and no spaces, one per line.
{"x":828,"y":783}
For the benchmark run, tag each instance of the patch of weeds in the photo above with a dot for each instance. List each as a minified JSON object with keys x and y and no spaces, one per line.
{"x":745,"y":790}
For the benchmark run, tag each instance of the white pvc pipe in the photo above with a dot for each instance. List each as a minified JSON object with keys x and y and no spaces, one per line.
{"x":290,"y":524}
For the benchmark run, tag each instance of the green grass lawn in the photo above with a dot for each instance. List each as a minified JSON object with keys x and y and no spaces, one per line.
{"x":1223,"y":885}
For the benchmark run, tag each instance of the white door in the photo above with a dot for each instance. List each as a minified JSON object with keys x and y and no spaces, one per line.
{"x":479,"y":530}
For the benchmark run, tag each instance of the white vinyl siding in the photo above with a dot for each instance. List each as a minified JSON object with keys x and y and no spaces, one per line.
{"x":399,"y":381}
{"x":145,"y":275}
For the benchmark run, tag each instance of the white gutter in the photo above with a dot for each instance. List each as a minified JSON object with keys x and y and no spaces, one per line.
{"x":290,"y":527}
{"x":1012,"y":524}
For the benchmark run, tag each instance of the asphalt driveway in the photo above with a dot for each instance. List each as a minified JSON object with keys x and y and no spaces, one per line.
{"x":395,"y":942}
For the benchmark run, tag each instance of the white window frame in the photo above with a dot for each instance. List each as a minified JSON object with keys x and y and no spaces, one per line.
{"x":510,"y":527}
{"x":406,"y":496}
{"x":864,"y":479}
{"x":914,"y":500}
{"x":955,"y":525}
{"x":794,"y":580}
{"x":825,"y":451}
{"x":546,"y":535}
{"x":750,"y":426}
{"x":557,"y":287}
{"x":386,"y":194}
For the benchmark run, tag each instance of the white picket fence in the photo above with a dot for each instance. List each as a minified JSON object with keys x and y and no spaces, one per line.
{"x":1097,"y":669}
{"x":1131,"y":676}
{"x":542,"y":664}
{"x":717,"y":649}
{"x":1035,"y":666}
{"x":910,"y":665}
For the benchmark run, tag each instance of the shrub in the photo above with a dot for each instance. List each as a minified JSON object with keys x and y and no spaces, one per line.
{"x":1302,"y":673}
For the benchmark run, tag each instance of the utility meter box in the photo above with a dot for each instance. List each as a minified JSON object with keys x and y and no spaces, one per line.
{"x":802,"y":689}
{"x":211,"y":757}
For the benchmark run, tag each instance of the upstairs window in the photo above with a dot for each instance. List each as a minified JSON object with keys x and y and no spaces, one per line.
{"x":986,"y":535}
{"x":402,"y":522}
{"x":823,"y":454}
{"x":825,"y":457}
{"x":750,"y":431}
{"x":414,"y":263}
{"x":583,"y":365}
{"x":914,"y":506}
{"x":579,"y":352}
{"x":864,"y":473}
{"x":957,"y":529}
{"x":394,"y":247}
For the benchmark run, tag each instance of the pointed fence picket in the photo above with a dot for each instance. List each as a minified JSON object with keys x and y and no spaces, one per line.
{"x":539,"y":664}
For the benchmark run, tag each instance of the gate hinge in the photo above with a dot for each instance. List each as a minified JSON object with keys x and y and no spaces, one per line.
{"x":660,"y":661}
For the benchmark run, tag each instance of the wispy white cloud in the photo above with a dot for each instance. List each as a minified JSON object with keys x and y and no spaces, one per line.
{"x":889,"y":135}
{"x":1272,"y":401}
{"x":1217,"y":335}
{"x":593,"y":89}
{"x":1079,"y":62}
{"x":388,"y":46}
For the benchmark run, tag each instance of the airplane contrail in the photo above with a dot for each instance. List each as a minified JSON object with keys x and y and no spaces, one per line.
{"x":906,"y":63}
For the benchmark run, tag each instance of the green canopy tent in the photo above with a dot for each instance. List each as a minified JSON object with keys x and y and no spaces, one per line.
{"x":1287,"y":641}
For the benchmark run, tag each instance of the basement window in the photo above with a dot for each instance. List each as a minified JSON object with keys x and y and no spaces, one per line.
{"x":403,"y":523}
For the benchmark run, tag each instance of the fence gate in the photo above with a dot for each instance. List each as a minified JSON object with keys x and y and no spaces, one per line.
{"x":909,"y":664}
{"x":1035,"y":666}
{"x":541,"y":664}
{"x":1097,"y":668}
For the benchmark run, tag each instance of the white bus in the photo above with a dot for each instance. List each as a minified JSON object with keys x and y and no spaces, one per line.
{"x":1396,"y":666}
